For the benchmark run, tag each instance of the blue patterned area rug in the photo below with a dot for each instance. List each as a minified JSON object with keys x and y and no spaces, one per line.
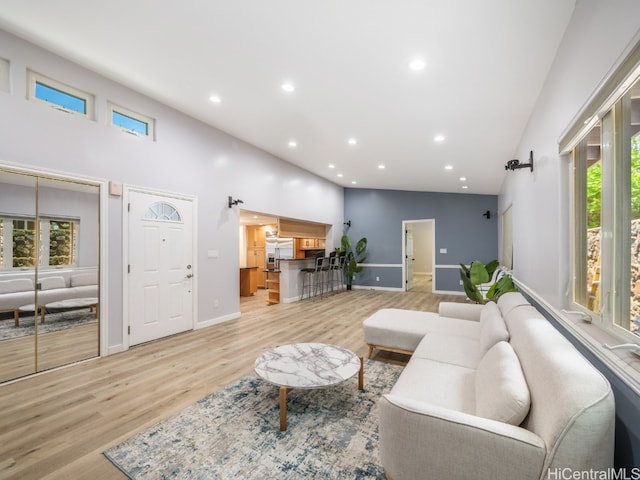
{"x":54,"y":322}
{"x":332,"y":433}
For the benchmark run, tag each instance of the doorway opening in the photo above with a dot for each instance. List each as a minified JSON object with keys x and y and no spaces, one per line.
{"x":418,"y":238}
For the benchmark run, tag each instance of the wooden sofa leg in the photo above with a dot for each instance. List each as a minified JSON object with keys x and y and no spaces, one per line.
{"x":16,"y":317}
{"x":371,"y":347}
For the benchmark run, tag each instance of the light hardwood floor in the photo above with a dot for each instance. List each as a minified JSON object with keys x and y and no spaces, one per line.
{"x":57,"y":425}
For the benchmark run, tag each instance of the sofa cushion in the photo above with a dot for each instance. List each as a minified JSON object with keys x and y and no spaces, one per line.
{"x":16,"y":285}
{"x":442,"y":384}
{"x":492,"y":327}
{"x":82,"y":279}
{"x":510,"y":300}
{"x":502,"y":393}
{"x":446,"y":348}
{"x":49,"y":283}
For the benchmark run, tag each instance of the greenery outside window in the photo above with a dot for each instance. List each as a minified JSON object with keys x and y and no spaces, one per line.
{"x":58,"y":242}
{"x":607,"y":215}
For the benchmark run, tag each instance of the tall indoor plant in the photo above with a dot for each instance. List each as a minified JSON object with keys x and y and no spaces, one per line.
{"x":479,"y":274}
{"x":353,"y":257}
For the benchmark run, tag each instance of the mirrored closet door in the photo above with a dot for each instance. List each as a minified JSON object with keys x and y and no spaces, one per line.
{"x":49,"y":262}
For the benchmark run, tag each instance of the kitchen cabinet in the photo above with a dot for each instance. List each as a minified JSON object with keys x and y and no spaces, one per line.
{"x":303,"y":245}
{"x":311,"y":243}
{"x":248,"y":281}
{"x":256,"y":250}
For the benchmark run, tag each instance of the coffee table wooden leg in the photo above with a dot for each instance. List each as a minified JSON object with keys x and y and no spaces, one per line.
{"x":283,"y":408}
{"x":361,"y":375}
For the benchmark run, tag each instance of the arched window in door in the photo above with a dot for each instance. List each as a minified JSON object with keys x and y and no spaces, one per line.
{"x":162,"y":211}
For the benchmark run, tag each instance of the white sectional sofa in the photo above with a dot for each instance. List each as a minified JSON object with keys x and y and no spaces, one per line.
{"x":18,"y":290}
{"x":490,"y":392}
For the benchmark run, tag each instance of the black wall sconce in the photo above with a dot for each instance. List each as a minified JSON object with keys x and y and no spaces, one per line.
{"x":347,"y":223}
{"x":233,"y":202}
{"x":515,"y":164}
{"x":487,"y":214}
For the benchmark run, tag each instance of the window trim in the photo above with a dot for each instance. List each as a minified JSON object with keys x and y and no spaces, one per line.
{"x":150,"y":122}
{"x":606,"y":94}
{"x":34,"y":78}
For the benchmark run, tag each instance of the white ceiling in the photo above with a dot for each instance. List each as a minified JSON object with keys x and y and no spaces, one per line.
{"x":348,"y":59}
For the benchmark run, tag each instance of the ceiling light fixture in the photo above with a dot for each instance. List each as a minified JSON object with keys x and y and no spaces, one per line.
{"x":353,"y":182}
{"x":215,"y":99}
{"x":448,"y":167}
{"x":352,"y":141}
{"x":464,"y":187}
{"x":340,"y":175}
{"x":463,"y":179}
{"x":381,"y":167}
{"x":293,"y":143}
{"x":438,"y":138}
{"x":331,"y":165}
{"x":417,"y":65}
{"x":288,"y":87}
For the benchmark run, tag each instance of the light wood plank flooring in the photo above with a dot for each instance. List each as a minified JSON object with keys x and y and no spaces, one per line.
{"x":57,"y":425}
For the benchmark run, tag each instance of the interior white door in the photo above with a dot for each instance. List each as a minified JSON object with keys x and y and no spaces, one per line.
{"x":160,"y":266}
{"x":408,"y":258}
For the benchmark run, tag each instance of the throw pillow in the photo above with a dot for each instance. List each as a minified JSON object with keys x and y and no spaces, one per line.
{"x":502,"y":393}
{"x":49,"y":283}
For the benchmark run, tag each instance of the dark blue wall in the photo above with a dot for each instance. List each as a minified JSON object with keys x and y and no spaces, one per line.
{"x":460,"y":227}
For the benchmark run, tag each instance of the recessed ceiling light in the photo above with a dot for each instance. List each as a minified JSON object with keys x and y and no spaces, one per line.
{"x":464,"y":187}
{"x":293,"y":143}
{"x":352,"y":141}
{"x":340,"y":175}
{"x":417,"y":64}
{"x":288,"y":87}
{"x":448,"y":167}
{"x":215,"y":99}
{"x":353,"y":182}
{"x":381,"y":167}
{"x":438,"y":138}
{"x":331,"y":165}
{"x":463,"y":179}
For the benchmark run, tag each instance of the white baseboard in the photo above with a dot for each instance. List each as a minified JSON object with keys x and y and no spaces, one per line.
{"x":370,"y":287}
{"x":449,"y":292}
{"x":113,"y":349}
{"x":215,"y":321}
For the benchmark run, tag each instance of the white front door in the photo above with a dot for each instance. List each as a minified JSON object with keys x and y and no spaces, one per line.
{"x":408,"y":257}
{"x":160,"y":298}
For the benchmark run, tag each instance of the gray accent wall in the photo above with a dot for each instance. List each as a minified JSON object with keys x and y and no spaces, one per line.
{"x":460,"y":228}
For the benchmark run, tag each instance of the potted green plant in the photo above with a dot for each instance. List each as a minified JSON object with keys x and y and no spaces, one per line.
{"x":478,"y":274}
{"x":353,"y":257}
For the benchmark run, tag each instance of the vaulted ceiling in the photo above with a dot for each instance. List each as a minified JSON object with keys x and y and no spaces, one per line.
{"x":355,"y":110}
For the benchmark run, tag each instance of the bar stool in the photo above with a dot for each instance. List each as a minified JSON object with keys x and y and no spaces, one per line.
{"x":339,"y":269}
{"x":312,"y":277}
{"x":336,"y":271}
{"x":328,"y":278}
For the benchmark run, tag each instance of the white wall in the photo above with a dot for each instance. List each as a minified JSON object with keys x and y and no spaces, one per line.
{"x":598,"y":34}
{"x":188,"y":157}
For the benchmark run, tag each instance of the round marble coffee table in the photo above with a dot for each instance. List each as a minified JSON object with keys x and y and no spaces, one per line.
{"x":307,"y":365}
